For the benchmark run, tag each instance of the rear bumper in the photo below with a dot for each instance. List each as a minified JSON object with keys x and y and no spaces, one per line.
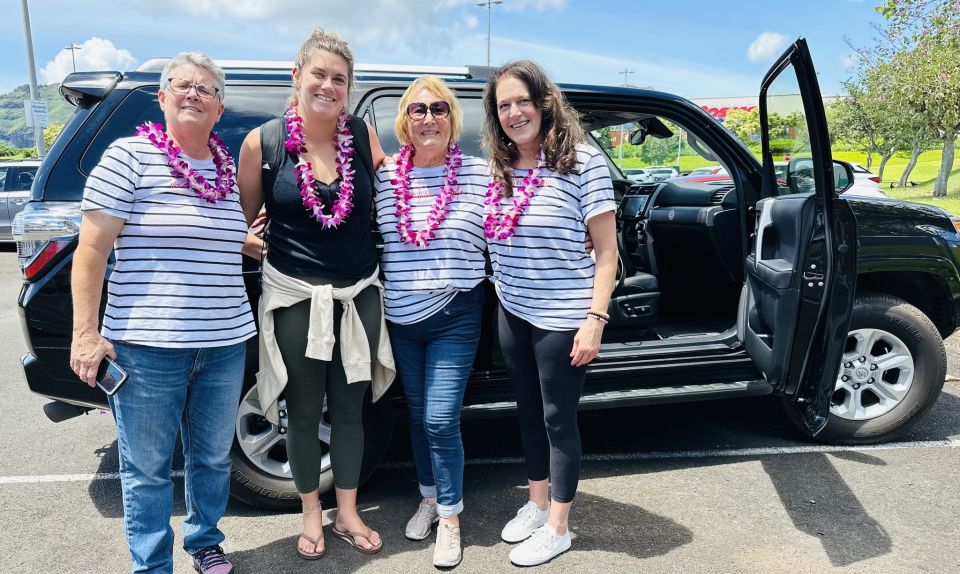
{"x":70,"y":392}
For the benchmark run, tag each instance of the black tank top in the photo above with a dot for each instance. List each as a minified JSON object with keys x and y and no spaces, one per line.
{"x":298,"y":245}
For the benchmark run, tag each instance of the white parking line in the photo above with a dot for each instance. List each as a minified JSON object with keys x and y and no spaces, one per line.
{"x":615,"y":457}
{"x":70,"y":477}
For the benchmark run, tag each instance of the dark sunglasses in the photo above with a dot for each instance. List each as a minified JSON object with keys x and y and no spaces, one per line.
{"x":418,"y":110}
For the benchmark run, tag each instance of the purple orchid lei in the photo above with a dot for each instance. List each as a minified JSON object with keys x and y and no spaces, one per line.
{"x":501,"y":225}
{"x":179,"y":168}
{"x":343,"y":142}
{"x":402,"y":195}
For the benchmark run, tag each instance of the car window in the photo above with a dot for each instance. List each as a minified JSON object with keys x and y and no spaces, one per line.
{"x":246,"y":107}
{"x":3,"y":177}
{"x":385,"y":113}
{"x":24,"y":180}
{"x":789,"y":135}
{"x":653,"y":157}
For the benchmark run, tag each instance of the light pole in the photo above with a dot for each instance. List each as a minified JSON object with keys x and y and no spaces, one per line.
{"x":73,"y":48}
{"x":625,"y":72}
{"x":488,"y":4}
{"x":37,"y":131}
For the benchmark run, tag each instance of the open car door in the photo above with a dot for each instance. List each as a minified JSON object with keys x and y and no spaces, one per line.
{"x":801,"y":272}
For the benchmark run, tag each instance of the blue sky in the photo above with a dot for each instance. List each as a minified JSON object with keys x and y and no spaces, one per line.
{"x":690,"y":47}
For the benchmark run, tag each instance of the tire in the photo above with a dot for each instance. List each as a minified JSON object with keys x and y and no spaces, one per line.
{"x":903,"y":386}
{"x":264,"y":481}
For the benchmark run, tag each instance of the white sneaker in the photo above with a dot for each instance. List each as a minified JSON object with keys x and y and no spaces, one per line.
{"x":528,"y":519}
{"x":540,"y":547}
{"x":422,"y":521}
{"x":448,"y":552}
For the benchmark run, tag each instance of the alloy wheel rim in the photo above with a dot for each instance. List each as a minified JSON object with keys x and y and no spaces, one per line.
{"x":265,"y":444}
{"x":876,"y":373}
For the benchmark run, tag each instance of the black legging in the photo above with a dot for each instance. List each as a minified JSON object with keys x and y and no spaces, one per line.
{"x":548,"y":391}
{"x":308,"y":380}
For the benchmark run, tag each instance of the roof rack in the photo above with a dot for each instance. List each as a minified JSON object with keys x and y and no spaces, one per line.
{"x":157,"y":64}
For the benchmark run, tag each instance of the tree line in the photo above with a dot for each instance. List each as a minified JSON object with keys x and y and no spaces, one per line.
{"x":905,"y":95}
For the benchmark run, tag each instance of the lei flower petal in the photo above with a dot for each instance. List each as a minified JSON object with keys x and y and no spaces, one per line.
{"x":179,"y":168}
{"x":343,"y":143}
{"x":402,"y":195}
{"x":501,"y":225}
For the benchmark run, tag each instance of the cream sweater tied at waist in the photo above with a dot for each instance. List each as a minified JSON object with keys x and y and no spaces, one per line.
{"x":280,"y":291}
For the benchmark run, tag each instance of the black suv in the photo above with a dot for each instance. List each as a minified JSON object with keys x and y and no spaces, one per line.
{"x":761,"y":283}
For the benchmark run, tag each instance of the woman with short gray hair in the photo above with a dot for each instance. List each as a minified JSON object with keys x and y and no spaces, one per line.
{"x":177,"y":317}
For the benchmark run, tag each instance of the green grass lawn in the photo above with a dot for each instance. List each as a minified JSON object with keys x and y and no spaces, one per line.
{"x":923,"y":175}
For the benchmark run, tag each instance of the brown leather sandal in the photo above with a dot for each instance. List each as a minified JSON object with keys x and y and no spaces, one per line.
{"x":314,"y":541}
{"x":347,"y":537}
{"x":311,"y":555}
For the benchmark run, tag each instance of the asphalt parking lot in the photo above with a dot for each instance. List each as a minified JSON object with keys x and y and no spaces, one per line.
{"x":711,"y":487}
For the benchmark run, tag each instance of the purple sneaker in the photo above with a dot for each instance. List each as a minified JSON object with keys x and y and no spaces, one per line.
{"x":211,"y":560}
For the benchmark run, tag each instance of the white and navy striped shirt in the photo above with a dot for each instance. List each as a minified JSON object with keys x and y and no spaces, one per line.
{"x":543,"y":274}
{"x":177,"y":280}
{"x":422,"y":280}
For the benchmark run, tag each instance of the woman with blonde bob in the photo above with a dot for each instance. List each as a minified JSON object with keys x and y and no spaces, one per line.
{"x":429,"y":208}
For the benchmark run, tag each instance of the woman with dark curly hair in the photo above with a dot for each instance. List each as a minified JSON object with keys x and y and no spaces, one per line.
{"x":549,"y":189}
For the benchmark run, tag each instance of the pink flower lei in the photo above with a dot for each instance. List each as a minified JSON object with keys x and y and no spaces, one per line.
{"x":401,"y":195}
{"x":179,"y":168}
{"x":501,"y":225}
{"x":343,"y":142}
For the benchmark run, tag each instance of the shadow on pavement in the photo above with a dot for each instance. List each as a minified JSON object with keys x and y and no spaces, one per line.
{"x":635,"y":532}
{"x":821,"y":504}
{"x":813,"y":493}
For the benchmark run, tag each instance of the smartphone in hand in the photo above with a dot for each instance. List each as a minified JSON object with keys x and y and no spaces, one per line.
{"x":110,"y":376}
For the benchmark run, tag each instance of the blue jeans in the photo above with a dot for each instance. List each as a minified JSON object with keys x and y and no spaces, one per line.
{"x":196,"y":391}
{"x":433,"y":358}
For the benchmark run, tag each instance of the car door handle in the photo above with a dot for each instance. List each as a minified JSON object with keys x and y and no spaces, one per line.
{"x":19,"y":201}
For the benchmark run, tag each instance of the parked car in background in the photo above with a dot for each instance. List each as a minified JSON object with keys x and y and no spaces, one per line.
{"x":662,"y":173}
{"x":16,"y":177}
{"x":865,"y":183}
{"x":638,"y":174}
{"x":708,"y":170}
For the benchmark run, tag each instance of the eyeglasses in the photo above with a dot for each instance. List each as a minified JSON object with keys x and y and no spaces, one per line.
{"x":179,"y":86}
{"x":418,"y":110}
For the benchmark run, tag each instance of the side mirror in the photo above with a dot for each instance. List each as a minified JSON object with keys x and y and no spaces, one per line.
{"x":842,"y":176}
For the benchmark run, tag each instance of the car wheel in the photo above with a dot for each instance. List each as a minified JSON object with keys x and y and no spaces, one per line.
{"x":261,"y":471}
{"x":893,"y":368}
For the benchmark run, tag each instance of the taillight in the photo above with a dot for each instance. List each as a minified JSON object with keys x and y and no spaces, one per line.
{"x":874,"y":178}
{"x":40,"y":224}
{"x":47,"y":253}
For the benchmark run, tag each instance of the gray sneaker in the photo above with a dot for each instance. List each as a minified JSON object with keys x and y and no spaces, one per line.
{"x":447,"y":552}
{"x":419,"y":525}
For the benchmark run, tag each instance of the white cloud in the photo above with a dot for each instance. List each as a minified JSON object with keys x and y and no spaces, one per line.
{"x":767,"y":46}
{"x":94,"y":54}
{"x":538,"y":5}
{"x":416,"y":27}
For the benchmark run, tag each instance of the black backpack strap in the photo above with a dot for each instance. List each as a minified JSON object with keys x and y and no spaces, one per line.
{"x":361,"y":138}
{"x":272,"y":137}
